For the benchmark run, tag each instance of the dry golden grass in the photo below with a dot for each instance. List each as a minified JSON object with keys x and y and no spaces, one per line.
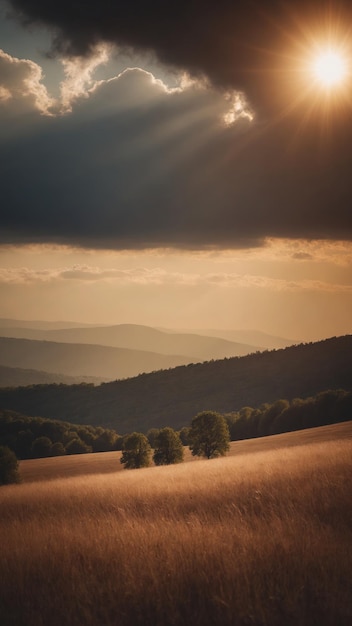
{"x":253,"y":539}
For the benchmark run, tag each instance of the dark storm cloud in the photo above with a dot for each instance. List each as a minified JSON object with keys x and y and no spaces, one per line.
{"x":238,"y":43}
{"x":160,"y":169}
{"x":134,"y":166}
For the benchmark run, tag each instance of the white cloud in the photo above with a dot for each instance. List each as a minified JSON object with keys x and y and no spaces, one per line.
{"x":5,"y":94}
{"x":21,"y":83}
{"x":25,"y":275}
{"x":159,"y":276}
{"x":79,"y":77}
{"x":281,"y":249}
{"x":238,"y":108}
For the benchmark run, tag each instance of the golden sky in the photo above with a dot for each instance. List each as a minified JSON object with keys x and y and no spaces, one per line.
{"x":299,"y":290}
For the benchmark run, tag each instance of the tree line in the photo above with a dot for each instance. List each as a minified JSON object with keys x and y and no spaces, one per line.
{"x":36,"y":437}
{"x":327,"y":407}
{"x":209,"y":434}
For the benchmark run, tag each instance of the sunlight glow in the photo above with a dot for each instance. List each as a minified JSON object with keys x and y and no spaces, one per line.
{"x":329,"y":68}
{"x":315,"y":70}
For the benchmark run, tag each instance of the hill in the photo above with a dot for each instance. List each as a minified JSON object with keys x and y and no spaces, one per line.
{"x":137,"y":337}
{"x":6,"y":322}
{"x":249,"y":337}
{"x":34,"y":470}
{"x":19,"y":377}
{"x":173,"y":397}
{"x":82,"y":360}
{"x":260,"y":539}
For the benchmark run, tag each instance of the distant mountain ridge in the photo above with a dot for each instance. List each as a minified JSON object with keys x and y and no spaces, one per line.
{"x":138,"y":337}
{"x":19,"y":377}
{"x":6,"y":322}
{"x":173,"y":397}
{"x":251,"y":337}
{"x":83,"y":360}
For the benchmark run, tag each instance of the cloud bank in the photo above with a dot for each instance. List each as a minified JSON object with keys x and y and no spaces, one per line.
{"x":128,"y":163}
{"x":137,"y":166}
{"x":160,"y":277}
{"x":237,"y":44}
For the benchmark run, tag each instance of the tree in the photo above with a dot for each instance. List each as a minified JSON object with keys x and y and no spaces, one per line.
{"x":209,"y":435}
{"x":151,"y":436}
{"x":269,"y":415}
{"x":87,"y":434}
{"x":69,"y":435}
{"x":23,"y":444}
{"x":52,"y":429}
{"x":77,"y":446}
{"x":41,"y":447}
{"x":57,"y":449}
{"x":184,"y":434}
{"x":136,"y":451}
{"x":8,"y":466}
{"x":105,"y":441}
{"x":168,"y":447}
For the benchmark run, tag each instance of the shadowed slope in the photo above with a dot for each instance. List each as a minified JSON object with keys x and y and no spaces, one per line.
{"x":172,"y":398}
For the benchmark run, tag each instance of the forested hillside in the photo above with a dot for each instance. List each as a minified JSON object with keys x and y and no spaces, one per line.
{"x":173,"y":397}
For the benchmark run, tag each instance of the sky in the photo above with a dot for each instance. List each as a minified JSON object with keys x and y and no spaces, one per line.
{"x":177,"y":165}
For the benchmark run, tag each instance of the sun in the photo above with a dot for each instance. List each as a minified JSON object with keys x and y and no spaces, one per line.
{"x":329,"y":68}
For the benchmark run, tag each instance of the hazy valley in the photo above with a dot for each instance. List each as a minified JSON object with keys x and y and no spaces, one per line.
{"x":101,"y":353}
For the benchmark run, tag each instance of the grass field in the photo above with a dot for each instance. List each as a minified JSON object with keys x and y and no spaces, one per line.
{"x":107,"y":462}
{"x":262,"y":537}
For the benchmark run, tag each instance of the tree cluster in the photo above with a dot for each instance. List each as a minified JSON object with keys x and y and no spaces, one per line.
{"x":137,"y":448}
{"x":210,"y":432}
{"x":35,"y":437}
{"x":327,"y":407}
{"x":208,"y":436}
